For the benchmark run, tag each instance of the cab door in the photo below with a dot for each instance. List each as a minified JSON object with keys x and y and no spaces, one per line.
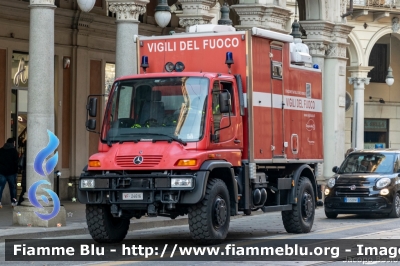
{"x":225,"y":128}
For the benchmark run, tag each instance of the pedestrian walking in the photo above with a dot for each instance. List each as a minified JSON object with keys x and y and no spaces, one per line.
{"x":9,"y":170}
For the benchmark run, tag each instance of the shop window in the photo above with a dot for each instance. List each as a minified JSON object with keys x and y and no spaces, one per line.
{"x":19,"y":69}
{"x":378,"y":59}
{"x":376,"y":133}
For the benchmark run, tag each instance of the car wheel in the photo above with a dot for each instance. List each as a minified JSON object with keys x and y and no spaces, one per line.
{"x":331,"y":215}
{"x":395,"y":213}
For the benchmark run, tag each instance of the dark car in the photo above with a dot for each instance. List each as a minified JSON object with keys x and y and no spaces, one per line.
{"x":367,"y":182}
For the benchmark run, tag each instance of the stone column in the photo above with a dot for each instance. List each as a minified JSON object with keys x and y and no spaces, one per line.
{"x":264,"y":14}
{"x":195,"y":12}
{"x":327,"y":42}
{"x":334,"y":98}
{"x":127,"y":13}
{"x":358,"y":79}
{"x":40,"y":110}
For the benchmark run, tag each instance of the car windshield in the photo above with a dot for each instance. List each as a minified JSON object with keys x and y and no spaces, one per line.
{"x":156,"y":109}
{"x":379,"y":163}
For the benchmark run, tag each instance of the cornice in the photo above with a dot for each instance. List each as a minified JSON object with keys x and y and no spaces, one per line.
{"x":318,"y":29}
{"x":269,"y":17}
{"x":127,"y":10}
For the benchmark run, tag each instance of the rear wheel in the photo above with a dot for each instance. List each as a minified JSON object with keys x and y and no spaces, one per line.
{"x":103,"y":227}
{"x":331,"y":215}
{"x":209,"y":219}
{"x":395,"y":213}
{"x":301,"y":218}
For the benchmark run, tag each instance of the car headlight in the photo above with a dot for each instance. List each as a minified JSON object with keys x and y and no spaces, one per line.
{"x":383,"y":182}
{"x":186,"y":182}
{"x":331,"y":182}
{"x":384,"y":192}
{"x":87,"y":183}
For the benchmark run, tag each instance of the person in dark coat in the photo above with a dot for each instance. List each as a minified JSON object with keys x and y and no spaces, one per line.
{"x":9,"y":169}
{"x":23,"y":172}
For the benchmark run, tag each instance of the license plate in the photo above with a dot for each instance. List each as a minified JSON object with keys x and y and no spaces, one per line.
{"x":351,"y":199}
{"x":132,"y":196}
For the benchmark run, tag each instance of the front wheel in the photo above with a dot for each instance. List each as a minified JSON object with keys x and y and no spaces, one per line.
{"x":103,"y":227}
{"x":209,"y":219}
{"x":395,"y":213}
{"x":301,"y":218}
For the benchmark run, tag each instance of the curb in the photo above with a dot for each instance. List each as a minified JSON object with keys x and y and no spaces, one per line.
{"x":133,"y":226}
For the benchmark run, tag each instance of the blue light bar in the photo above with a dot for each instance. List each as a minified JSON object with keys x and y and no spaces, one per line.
{"x":315,"y":66}
{"x":229,"y":58}
{"x":145,"y":61}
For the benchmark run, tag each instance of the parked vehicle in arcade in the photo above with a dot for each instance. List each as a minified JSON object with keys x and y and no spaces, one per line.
{"x":368,"y":181}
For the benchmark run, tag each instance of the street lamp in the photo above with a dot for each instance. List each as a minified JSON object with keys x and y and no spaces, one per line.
{"x":163,"y":13}
{"x":86,"y":5}
{"x":389,"y":78}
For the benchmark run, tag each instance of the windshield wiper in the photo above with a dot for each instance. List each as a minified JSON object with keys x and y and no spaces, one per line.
{"x":172,"y":138}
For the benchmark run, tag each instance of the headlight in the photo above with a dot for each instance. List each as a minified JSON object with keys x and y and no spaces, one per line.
{"x":331,"y":182}
{"x":383,"y":182}
{"x":182,"y":182}
{"x":87,"y":183}
{"x":327,"y":191}
{"x":384,"y":192}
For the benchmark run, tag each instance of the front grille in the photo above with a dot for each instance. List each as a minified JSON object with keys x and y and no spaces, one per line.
{"x":353,"y":181}
{"x":362,"y":205}
{"x":148,"y":161}
{"x":358,"y":192}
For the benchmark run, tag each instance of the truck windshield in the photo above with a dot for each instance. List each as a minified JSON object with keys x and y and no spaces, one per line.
{"x":378,"y":163}
{"x":156,"y":109}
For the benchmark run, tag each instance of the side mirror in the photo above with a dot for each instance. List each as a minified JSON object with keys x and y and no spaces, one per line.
{"x":92,"y":106}
{"x":224,"y":102}
{"x":335,"y":169}
{"x":91,"y":124}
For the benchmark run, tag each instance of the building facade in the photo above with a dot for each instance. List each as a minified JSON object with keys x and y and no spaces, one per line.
{"x":374,"y":42}
{"x":85,"y":57}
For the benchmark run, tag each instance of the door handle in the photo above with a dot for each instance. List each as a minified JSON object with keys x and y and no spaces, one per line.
{"x":236,"y":141}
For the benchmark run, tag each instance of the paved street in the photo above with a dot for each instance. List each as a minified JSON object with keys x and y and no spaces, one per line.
{"x":265,"y":226}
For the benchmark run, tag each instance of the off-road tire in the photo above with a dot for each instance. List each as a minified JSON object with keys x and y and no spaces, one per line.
{"x":331,"y":215}
{"x":301,"y":218}
{"x":103,"y":227}
{"x":209,"y":219}
{"x":395,"y":213}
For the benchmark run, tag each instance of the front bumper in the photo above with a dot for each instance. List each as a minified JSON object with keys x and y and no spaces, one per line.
{"x":153,"y":187}
{"x":372,"y":204}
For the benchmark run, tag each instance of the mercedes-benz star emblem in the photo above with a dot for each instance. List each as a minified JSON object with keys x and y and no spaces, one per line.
{"x":353,"y":187}
{"x":138,"y":160}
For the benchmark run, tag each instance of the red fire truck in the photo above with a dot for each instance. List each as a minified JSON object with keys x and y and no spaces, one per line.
{"x":217,"y":123}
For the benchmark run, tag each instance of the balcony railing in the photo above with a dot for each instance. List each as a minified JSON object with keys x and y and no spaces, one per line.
{"x":375,"y":3}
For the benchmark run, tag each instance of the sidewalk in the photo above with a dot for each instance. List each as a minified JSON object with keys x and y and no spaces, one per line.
{"x":76,"y":224}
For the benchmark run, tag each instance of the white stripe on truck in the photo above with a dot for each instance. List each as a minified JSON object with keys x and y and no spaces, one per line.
{"x":263,"y":99}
